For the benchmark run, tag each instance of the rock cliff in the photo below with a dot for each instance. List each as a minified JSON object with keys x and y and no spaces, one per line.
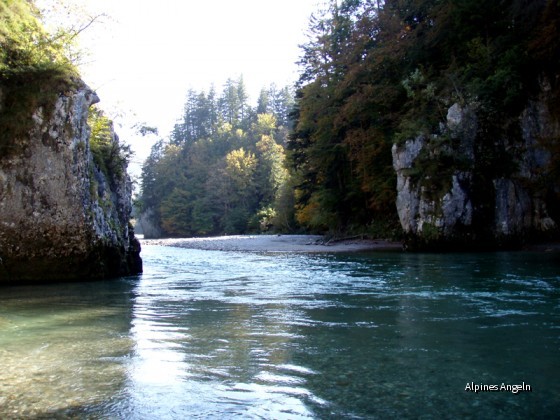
{"x":61,"y":216}
{"x":149,"y":225}
{"x":453,"y":189}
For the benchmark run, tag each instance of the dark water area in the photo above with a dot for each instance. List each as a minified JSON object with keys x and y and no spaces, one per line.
{"x":211,"y":334}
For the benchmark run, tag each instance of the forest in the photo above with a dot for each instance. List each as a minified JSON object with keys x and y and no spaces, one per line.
{"x":223,"y":168}
{"x":317,"y":157}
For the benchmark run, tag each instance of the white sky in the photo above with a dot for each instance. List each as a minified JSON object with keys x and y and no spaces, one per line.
{"x":146,"y":54}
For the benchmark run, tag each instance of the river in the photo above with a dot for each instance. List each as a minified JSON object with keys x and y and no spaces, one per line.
{"x":213,"y":334}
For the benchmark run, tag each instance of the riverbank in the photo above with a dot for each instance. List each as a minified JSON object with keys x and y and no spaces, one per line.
{"x":278,"y":243}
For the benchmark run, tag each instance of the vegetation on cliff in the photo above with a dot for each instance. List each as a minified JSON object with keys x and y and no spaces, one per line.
{"x":109,"y":154}
{"x":35,"y":66}
{"x":27,"y":50}
{"x":378,"y":73}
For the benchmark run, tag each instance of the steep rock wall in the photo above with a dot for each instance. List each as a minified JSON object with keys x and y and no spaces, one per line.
{"x":444,"y":196}
{"x":61,"y":218}
{"x":438,"y":203}
{"x":149,"y":225}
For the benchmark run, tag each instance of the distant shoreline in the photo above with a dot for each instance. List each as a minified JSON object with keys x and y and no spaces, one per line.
{"x":277,"y":243}
{"x":300,"y":244}
{"x":543,"y":247}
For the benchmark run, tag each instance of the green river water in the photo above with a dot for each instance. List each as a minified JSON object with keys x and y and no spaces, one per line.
{"x":212,"y":334}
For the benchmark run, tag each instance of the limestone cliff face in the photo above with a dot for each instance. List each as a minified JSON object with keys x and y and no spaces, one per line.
{"x":444,"y":192}
{"x":148,"y":224}
{"x":521,"y":201}
{"x":61,"y":217}
{"x":422,"y":207}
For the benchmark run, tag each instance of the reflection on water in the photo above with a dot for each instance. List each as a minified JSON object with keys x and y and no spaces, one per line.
{"x":213,"y":334}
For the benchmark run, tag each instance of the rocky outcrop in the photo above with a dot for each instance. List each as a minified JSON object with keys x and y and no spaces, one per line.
{"x":61,"y":217}
{"x":438,"y":203}
{"x":521,"y":202}
{"x":446,"y":195}
{"x":149,"y":225}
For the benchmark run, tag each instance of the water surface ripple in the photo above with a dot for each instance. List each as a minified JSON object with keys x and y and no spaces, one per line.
{"x":212,"y":334}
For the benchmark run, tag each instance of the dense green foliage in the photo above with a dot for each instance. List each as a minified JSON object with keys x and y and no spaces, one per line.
{"x":34,"y":68}
{"x":375,"y":73}
{"x":27,"y":50}
{"x":222,"y":169}
{"x":109,"y":154}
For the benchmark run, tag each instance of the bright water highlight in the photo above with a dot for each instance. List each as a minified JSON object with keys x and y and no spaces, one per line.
{"x":211,"y":334}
